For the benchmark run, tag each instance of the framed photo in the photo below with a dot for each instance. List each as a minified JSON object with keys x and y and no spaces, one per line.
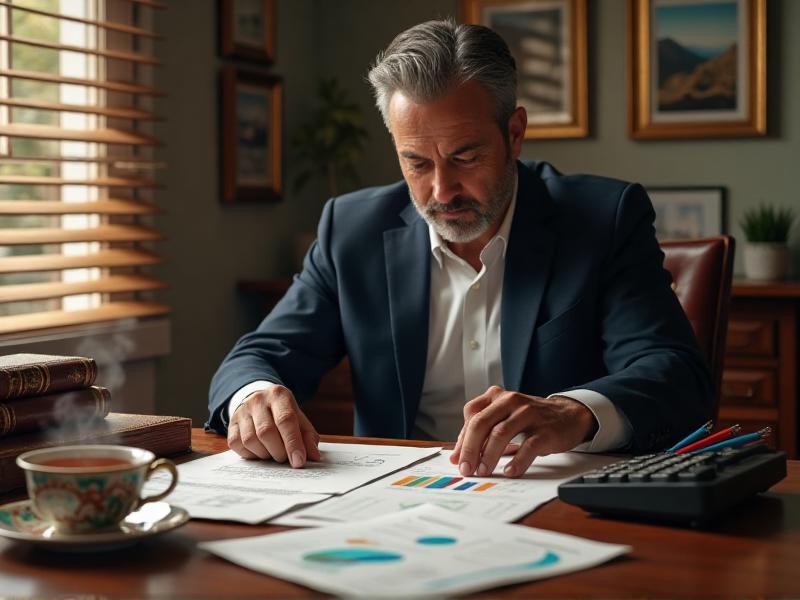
{"x":688,"y":212}
{"x":697,"y":68}
{"x":251,"y":136}
{"x":548,"y":41}
{"x":248,"y":29}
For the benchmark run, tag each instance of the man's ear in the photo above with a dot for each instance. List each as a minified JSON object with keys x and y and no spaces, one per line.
{"x":516,"y":130}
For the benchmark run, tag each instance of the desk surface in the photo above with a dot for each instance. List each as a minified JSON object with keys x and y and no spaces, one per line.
{"x":755,"y":552}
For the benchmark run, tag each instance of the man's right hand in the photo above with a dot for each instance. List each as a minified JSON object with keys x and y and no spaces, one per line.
{"x":270,"y":424}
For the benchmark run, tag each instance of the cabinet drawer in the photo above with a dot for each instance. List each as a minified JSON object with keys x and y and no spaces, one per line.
{"x":751,"y":337}
{"x":753,"y":387}
{"x":332,"y":415}
{"x":337,"y":381}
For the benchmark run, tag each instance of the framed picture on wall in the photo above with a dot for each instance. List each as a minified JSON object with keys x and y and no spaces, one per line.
{"x":251,"y":136}
{"x":548,"y":41}
{"x":697,"y":68}
{"x":248,"y":29}
{"x":688,"y":212}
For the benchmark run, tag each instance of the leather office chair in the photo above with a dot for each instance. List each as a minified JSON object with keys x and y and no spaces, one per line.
{"x":701,"y":271}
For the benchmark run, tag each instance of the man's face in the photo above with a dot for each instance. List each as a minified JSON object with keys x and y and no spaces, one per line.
{"x":459,"y":165}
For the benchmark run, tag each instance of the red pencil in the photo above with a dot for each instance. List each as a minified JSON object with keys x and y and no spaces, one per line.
{"x":711,"y":439}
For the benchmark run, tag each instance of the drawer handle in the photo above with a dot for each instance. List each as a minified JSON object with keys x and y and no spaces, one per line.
{"x":731,"y":392}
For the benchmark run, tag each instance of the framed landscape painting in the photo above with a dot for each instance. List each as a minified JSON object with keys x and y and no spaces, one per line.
{"x":248,"y":29}
{"x":251,"y":136}
{"x":688,"y":212}
{"x":697,"y":68}
{"x":547,"y":39}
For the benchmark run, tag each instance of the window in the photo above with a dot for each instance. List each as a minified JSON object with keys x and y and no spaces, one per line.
{"x":77,"y":167}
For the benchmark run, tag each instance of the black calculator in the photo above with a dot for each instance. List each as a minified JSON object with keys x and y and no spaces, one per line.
{"x":692,"y":488}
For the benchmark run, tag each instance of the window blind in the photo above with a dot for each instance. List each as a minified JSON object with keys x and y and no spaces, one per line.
{"x":77,"y":164}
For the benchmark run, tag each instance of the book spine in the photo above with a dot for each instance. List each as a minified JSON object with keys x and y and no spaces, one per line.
{"x":65,"y":410}
{"x":35,"y":380}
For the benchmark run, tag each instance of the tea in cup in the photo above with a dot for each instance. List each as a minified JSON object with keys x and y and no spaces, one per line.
{"x":90,"y":488}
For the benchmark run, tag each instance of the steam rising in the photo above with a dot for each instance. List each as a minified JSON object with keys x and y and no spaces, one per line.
{"x":74,"y":419}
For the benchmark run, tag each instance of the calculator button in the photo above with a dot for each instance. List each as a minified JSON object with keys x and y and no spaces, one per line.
{"x":735,"y":455}
{"x":698,"y":474}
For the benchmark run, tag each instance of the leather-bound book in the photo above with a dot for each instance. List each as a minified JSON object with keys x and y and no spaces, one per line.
{"x":24,"y":375}
{"x":163,"y":436}
{"x":64,"y":410}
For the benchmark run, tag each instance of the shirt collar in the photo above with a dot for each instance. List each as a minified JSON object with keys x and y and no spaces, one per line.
{"x":438,"y":245}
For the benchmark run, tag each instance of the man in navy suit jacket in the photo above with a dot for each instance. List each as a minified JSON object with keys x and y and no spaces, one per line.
{"x":500,"y":304}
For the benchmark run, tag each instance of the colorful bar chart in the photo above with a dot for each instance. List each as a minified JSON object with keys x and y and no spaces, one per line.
{"x":420,"y":481}
{"x":443,"y":482}
{"x":440,"y":482}
{"x":466,"y":486}
{"x":405,"y":480}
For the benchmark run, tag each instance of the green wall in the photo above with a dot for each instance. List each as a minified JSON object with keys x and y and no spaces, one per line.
{"x":211,"y":246}
{"x":752,"y":169}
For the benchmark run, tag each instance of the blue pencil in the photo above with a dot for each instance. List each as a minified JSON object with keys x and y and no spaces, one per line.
{"x":737,"y":441}
{"x":693,"y":437}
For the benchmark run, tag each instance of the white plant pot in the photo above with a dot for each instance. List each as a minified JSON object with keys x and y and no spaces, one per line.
{"x":766,"y":261}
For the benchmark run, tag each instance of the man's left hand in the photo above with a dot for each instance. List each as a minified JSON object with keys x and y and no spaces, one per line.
{"x":494,"y":418}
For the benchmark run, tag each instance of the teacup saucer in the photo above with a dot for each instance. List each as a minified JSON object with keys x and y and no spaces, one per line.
{"x":19,"y":522}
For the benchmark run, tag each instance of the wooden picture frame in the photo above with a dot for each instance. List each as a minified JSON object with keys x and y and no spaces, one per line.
{"x":250,"y":136}
{"x":548,"y":41}
{"x":697,"y":69}
{"x":248,"y":29}
{"x":688,"y":212}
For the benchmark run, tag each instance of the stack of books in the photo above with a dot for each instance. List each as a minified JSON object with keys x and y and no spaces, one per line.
{"x":52,"y":400}
{"x":40,"y":392}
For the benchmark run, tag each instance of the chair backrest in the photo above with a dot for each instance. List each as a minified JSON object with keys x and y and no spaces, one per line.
{"x":701,"y":272}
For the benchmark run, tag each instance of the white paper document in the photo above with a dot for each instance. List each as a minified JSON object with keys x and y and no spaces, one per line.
{"x":226,"y":486}
{"x":424,"y":551}
{"x":343,"y":467}
{"x":437,"y":481}
{"x":225,"y":502}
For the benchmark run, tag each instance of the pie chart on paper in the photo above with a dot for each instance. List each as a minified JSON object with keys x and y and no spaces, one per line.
{"x":352,"y":556}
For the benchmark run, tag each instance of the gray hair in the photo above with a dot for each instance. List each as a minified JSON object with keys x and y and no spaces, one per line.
{"x":429,"y":59}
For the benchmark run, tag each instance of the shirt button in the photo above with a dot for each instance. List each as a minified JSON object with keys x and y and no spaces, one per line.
{"x":474,"y":345}
{"x":476,"y":286}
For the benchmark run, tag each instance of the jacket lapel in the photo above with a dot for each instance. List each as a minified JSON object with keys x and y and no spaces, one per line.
{"x":408,"y":264}
{"x":528,"y":260}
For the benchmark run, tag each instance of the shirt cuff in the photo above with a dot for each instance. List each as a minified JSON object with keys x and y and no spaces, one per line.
{"x":243,"y":392}
{"x":613,"y":428}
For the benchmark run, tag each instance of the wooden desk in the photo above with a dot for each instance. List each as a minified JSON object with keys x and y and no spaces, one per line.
{"x":753,"y":553}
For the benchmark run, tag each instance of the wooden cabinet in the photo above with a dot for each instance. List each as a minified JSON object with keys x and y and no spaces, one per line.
{"x":759,"y":383}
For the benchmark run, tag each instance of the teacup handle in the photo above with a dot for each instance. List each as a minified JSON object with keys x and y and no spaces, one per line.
{"x":160,"y":463}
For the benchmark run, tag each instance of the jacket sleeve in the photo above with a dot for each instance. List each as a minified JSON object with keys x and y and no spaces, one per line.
{"x":657,"y":375}
{"x":297,"y":343}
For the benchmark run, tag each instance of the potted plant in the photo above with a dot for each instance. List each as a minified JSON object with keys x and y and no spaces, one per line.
{"x":766,"y":253}
{"x":329,"y":146}
{"x":330,"y":143}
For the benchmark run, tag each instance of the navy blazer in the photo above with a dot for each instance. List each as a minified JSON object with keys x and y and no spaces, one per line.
{"x":586,"y":304}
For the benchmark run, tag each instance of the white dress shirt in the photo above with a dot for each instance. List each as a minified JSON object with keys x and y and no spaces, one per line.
{"x":464,"y":358}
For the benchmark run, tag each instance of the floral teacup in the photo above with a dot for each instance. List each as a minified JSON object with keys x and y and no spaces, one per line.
{"x":86,"y":489}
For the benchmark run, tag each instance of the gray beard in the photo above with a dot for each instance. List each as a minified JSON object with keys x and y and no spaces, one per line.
{"x":462,"y":232}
